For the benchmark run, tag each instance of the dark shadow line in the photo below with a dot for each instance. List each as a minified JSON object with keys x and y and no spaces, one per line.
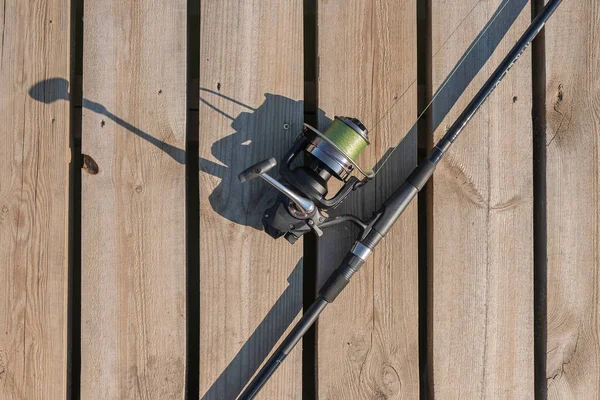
{"x":540,"y":244}
{"x":310,"y":242}
{"x":211,"y":167}
{"x":239,"y":103}
{"x":258,"y":346}
{"x":192,"y":203}
{"x":73,"y":375}
{"x":214,"y":108}
{"x":424,"y":79}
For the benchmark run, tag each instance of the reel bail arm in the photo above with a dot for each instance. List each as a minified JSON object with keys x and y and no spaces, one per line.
{"x":261,"y":168}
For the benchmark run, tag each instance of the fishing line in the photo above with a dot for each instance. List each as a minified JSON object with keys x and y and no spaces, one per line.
{"x":446,"y":81}
{"x":433,"y":57}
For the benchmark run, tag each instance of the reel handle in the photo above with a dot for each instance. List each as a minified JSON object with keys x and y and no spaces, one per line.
{"x":257,"y":170}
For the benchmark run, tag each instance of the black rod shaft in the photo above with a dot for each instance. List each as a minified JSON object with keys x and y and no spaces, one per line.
{"x":395,"y":205}
{"x":398,"y":202}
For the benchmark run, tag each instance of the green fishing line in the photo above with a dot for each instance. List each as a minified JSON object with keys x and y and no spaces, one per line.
{"x":346,"y":138}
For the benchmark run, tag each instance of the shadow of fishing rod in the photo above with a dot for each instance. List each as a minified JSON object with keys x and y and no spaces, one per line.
{"x":251,"y":129}
{"x":242,"y":367}
{"x":50,"y":90}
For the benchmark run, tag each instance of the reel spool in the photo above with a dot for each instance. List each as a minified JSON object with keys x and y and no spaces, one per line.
{"x":333,"y":153}
{"x":340,"y":145}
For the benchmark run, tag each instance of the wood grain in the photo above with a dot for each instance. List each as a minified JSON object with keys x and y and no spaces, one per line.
{"x":133,"y":209}
{"x":34,"y":158}
{"x":251,"y":108}
{"x":481,"y":276}
{"x":573,"y":130}
{"x":368,"y":339}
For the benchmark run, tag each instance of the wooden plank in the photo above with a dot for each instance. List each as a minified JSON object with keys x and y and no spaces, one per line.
{"x":251,"y":88}
{"x":34,"y":160}
{"x":481,"y":280}
{"x":573,"y":130}
{"x":133,"y":209}
{"x":368,"y":339}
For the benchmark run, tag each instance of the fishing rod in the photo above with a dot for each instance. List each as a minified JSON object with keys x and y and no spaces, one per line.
{"x":302,"y":205}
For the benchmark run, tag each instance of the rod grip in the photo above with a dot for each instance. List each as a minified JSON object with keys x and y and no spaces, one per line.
{"x":340,"y":277}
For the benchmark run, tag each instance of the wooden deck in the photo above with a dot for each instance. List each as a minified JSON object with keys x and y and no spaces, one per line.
{"x":132,"y":262}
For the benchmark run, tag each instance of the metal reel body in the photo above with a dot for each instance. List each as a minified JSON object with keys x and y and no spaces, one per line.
{"x":304,"y":201}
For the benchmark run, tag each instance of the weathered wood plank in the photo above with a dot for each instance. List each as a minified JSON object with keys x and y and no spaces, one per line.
{"x":573,"y":131}
{"x":481,"y":278}
{"x":251,"y":88}
{"x":368,"y":339}
{"x":34,"y":159}
{"x":133,"y":209}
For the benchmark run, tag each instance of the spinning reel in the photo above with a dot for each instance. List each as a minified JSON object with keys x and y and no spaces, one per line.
{"x":303,"y":203}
